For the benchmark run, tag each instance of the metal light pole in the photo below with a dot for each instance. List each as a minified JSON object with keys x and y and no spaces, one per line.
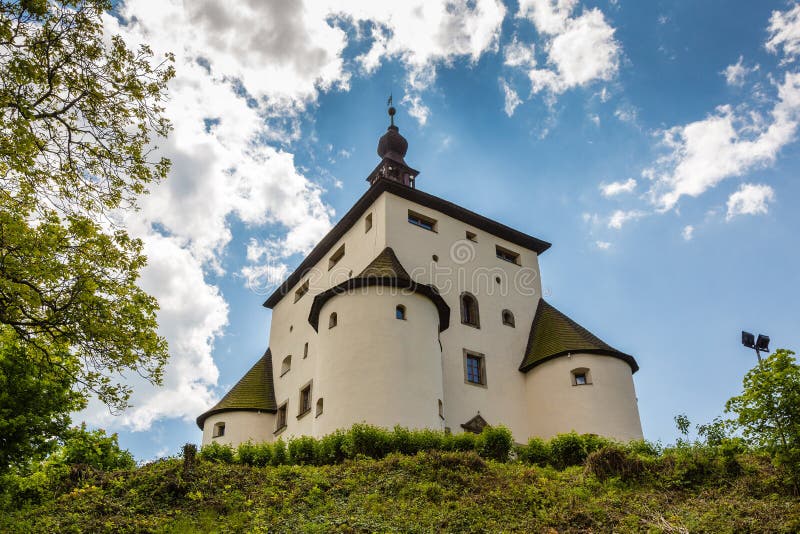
{"x":760,"y":344}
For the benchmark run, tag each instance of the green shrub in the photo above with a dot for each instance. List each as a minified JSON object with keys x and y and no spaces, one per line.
{"x":427,"y":440}
{"x":214,"y":452}
{"x":566,"y":450}
{"x":403,"y":441}
{"x":646,"y":448}
{"x":246,"y":453}
{"x":464,"y":442}
{"x":367,"y":440}
{"x":280,"y":455}
{"x":536,"y":452}
{"x":301,"y":450}
{"x":330,"y":449}
{"x":93,"y":448}
{"x":495,"y":443}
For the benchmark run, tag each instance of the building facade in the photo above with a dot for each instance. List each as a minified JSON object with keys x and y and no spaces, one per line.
{"x":414,"y":311}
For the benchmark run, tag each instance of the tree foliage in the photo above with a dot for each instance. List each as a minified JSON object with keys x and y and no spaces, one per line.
{"x":78,"y":114}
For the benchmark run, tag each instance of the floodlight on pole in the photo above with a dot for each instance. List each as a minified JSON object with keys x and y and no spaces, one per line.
{"x":759,"y":345}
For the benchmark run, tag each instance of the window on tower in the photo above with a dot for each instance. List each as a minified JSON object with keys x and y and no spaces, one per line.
{"x":581,"y":377}
{"x":302,"y":290}
{"x":333,"y":320}
{"x":280,"y":420}
{"x":417,"y":219}
{"x":474,"y":368}
{"x":286,"y":365}
{"x":508,"y":318}
{"x":219,"y":430}
{"x":507,"y":255}
{"x":400,"y":312}
{"x":469,"y":310}
{"x":335,"y":257}
{"x":305,"y":401}
{"x":368,"y":223}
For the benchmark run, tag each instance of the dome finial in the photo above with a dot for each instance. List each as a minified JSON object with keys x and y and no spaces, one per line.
{"x":392,"y":111}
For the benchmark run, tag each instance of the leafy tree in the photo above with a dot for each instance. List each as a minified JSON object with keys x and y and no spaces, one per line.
{"x":768,"y":410}
{"x":78,"y":112}
{"x":34,"y":403}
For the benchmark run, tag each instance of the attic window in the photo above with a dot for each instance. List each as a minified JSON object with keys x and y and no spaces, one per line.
{"x":302,"y":290}
{"x":219,"y":430}
{"x":335,"y":257}
{"x":507,"y":255}
{"x":422,"y":221}
{"x":472,"y":236}
{"x":286,"y":365}
{"x":280,"y":420}
{"x":368,"y":223}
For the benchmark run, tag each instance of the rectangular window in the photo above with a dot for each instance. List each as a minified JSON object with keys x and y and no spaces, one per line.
{"x":474,"y":368}
{"x":281,"y":419}
{"x":219,"y":430}
{"x":580,"y":379}
{"x":302,"y":290}
{"x":422,"y":221}
{"x":507,"y":255}
{"x":368,"y":223}
{"x":335,"y":257}
{"x":305,"y":401}
{"x":472,"y":236}
{"x":305,"y":350}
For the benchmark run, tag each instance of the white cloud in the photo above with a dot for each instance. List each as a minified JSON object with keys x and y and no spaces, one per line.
{"x":516,"y":54}
{"x":784,"y":33}
{"x":724,"y":144}
{"x":688,"y":232}
{"x":621,"y":217}
{"x":603,"y":245}
{"x":580,"y":49}
{"x":616,"y":188}
{"x":512,"y":99}
{"x":735,"y":74}
{"x":750,"y":199}
{"x":595,"y":119}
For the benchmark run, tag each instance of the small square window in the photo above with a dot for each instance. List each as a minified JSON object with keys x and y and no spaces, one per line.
{"x":302,"y":290}
{"x":335,"y":257}
{"x":219,"y":430}
{"x":474,"y":368}
{"x":580,"y":379}
{"x":422,"y":221}
{"x":368,"y":223}
{"x":507,"y":255}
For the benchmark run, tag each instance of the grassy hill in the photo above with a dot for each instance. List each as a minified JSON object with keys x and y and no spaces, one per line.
{"x":431,"y":491}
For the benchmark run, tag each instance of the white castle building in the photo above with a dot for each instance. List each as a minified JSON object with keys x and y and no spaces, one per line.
{"x":414,"y":311}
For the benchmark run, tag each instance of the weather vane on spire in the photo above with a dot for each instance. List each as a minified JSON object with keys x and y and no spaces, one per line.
{"x":392,"y":111}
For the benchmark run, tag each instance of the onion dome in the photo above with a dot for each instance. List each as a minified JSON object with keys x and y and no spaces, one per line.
{"x":393,"y":145}
{"x":392,"y":148}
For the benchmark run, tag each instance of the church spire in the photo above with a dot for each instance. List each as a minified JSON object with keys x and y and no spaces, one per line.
{"x":392,"y":148}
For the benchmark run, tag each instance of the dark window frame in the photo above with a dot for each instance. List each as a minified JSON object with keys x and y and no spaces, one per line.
{"x":306,"y":400}
{"x":507,"y":255}
{"x":475,"y":363}
{"x":302,"y":290}
{"x":282,"y":417}
{"x":470,"y":315}
{"x":422,"y":221}
{"x":400,"y":312}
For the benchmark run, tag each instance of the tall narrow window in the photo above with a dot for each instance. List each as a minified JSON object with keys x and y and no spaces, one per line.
{"x":508,"y":318}
{"x":400,"y":312}
{"x":305,"y":401}
{"x":368,"y":223}
{"x":286,"y":365}
{"x":302,"y":290}
{"x":474,"y":368}
{"x":333,"y":320}
{"x":441,"y":409}
{"x":305,"y":350}
{"x":469,"y":310}
{"x":319,"y":408}
{"x":335,"y":257}
{"x":280,"y":421}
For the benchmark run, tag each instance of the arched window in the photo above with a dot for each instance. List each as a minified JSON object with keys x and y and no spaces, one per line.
{"x":333,"y":320}
{"x":469,"y":310}
{"x":508,"y":318}
{"x":400,"y":312}
{"x":286,"y":365}
{"x":319,"y":408}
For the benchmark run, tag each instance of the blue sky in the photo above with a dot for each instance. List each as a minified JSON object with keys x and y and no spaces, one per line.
{"x":662,"y":165}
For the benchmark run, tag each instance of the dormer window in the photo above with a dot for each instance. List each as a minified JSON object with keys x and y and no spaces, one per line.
{"x":507,"y":255}
{"x":422,"y":221}
{"x":335,"y":257}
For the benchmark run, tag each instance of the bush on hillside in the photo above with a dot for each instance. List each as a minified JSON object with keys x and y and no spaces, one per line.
{"x":495,"y":443}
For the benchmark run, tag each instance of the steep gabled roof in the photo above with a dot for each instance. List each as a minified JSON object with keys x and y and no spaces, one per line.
{"x":385,"y":270}
{"x":255,"y":392}
{"x":553,"y":334}
{"x":385,"y":265}
{"x":383,"y":185}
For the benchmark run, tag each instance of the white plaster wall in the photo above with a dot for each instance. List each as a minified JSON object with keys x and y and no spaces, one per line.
{"x":607,"y":407}
{"x":239,"y":427}
{"x":466,"y":266}
{"x":375,"y":368}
